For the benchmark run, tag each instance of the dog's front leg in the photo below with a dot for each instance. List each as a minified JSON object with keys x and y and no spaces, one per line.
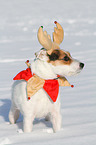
{"x":28,"y":123}
{"x":56,"y":120}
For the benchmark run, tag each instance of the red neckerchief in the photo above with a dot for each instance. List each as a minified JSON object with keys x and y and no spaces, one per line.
{"x":24,"y":75}
{"x":50,"y":86}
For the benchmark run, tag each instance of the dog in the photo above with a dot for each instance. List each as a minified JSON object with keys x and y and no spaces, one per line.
{"x":47,"y":65}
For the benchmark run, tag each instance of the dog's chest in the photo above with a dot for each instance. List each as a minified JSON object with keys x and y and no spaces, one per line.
{"x":40,"y":103}
{"x":43,"y":103}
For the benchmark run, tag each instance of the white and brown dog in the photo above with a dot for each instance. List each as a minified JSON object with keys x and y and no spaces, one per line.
{"x":49,"y":63}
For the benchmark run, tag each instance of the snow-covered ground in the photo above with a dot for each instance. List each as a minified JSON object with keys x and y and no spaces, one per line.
{"x":19,"y":23}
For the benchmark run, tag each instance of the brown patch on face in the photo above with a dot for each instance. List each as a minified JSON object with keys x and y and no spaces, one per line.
{"x":68,"y":53}
{"x":60,"y":57}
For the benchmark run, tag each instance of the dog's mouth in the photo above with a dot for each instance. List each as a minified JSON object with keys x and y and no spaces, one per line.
{"x":74,"y":73}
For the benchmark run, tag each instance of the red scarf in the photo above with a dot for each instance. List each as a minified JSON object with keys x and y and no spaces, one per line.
{"x":50,"y":86}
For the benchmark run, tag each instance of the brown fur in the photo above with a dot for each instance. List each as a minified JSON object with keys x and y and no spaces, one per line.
{"x":59,"y":57}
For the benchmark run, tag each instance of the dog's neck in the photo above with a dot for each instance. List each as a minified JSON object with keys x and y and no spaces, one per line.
{"x":43,"y":69}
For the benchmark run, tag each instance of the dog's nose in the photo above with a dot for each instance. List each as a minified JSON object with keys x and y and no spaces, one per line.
{"x":81,"y":65}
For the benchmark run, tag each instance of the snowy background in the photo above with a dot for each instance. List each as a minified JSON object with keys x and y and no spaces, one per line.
{"x":19,"y":23}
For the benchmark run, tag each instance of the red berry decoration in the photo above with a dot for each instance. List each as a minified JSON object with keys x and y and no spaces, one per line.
{"x":27,"y":61}
{"x":58,"y":76}
{"x":55,"y":22}
{"x":28,"y":98}
{"x":72,"y":86}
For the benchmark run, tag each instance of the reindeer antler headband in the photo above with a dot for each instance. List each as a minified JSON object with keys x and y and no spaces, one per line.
{"x":45,"y":39}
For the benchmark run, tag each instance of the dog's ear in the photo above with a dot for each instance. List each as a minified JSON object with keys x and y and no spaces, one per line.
{"x":54,"y":55}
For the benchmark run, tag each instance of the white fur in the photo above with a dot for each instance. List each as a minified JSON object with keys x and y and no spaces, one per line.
{"x":68,"y":70}
{"x":40,"y":104}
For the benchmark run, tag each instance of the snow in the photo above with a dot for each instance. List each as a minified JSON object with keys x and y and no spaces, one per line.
{"x":19,"y":22}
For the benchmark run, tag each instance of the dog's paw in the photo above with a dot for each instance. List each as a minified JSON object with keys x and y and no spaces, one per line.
{"x":20,"y":131}
{"x":8,"y":123}
{"x":49,"y":130}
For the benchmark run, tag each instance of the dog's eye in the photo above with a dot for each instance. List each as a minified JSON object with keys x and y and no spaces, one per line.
{"x":66,"y":58}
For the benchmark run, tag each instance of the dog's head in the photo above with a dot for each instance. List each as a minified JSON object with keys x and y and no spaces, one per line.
{"x":61,"y":62}
{"x":52,"y":58}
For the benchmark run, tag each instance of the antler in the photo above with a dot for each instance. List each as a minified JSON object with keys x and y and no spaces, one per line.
{"x":45,"y":39}
{"x":58,"y":33}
